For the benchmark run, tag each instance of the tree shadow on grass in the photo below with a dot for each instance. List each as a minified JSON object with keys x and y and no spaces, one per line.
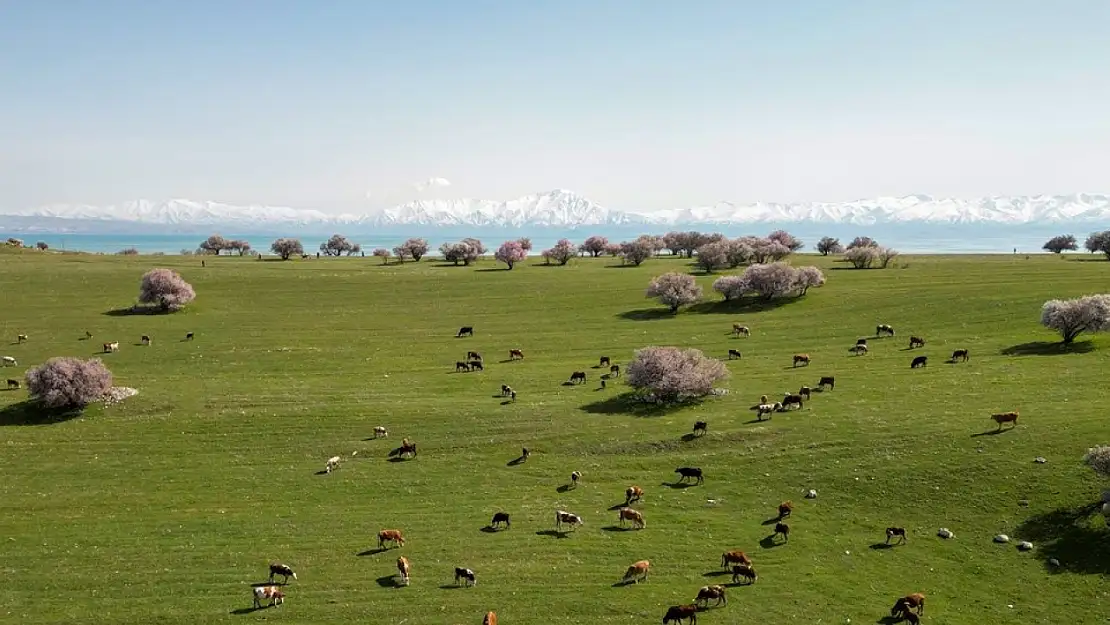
{"x":629,"y":403}
{"x":1071,"y":535}
{"x":132,"y":311}
{"x":647,"y":314}
{"x":742,"y":305}
{"x":33,"y":413}
{"x":1047,"y":348}
{"x":488,"y":269}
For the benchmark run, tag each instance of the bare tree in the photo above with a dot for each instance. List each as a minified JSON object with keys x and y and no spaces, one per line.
{"x":382,"y":253}
{"x":713,"y":255}
{"x":674,"y":374}
{"x":595,"y":245}
{"x":510,"y":253}
{"x":286,"y":247}
{"x":166,"y":289}
{"x":561,"y":253}
{"x":1072,"y":317}
{"x":674,"y":290}
{"x":67,"y":382}
{"x":885,"y":255}
{"x":1062,"y":243}
{"x":829,"y":245}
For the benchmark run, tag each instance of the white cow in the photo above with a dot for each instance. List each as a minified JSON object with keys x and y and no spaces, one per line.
{"x":8,"y":361}
{"x":332,"y":464}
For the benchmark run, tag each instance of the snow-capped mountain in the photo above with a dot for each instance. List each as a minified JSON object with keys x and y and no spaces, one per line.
{"x":564,"y":209}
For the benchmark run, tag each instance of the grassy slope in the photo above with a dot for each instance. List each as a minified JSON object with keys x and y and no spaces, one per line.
{"x":164,"y":509}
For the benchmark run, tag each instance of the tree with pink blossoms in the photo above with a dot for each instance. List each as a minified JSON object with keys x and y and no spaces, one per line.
{"x":561,"y":253}
{"x":67,"y":382}
{"x":672,"y":374}
{"x":788,"y":240}
{"x":510,"y":253}
{"x":713,"y":255}
{"x":166,"y":289}
{"x":674,"y":290}
{"x":595,"y":245}
{"x":382,"y":253}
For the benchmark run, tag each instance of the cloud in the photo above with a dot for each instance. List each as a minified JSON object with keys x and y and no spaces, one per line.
{"x":432,"y":183}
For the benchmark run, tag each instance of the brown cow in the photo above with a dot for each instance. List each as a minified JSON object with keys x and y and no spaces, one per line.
{"x":900,"y":532}
{"x":473,"y":356}
{"x":828,"y":381}
{"x":804,"y":358}
{"x":490,"y":619}
{"x":633,"y":493}
{"x":711,"y":592}
{"x":633,"y":516}
{"x":738,"y":329}
{"x":678,"y":613}
{"x":393,"y":536}
{"x":804,"y":392}
{"x":515,"y":354}
{"x":959,"y":354}
{"x":785,"y":508}
{"x":1005,"y":417}
{"x":916,"y":341}
{"x":730,"y":557}
{"x":636,"y":572}
{"x":746,"y":571}
{"x":403,"y":566}
{"x":781,"y":528}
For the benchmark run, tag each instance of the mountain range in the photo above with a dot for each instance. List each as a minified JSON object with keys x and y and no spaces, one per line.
{"x":564,"y":209}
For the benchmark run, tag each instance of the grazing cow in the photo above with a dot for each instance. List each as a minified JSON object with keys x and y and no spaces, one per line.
{"x":767,"y":409}
{"x":1005,"y":417}
{"x":803,"y":358}
{"x":506,"y":390}
{"x":678,"y":613}
{"x":861,"y":342}
{"x":633,"y":516}
{"x":734,"y":353}
{"x":615,"y":371}
{"x":476,"y":365}
{"x":332,"y":464}
{"x":380,"y":432}
{"x":404,"y":567}
{"x":500,"y":518}
{"x":515,"y":354}
{"x":473,"y":356}
{"x":490,"y":618}
{"x":565,"y":518}
{"x":8,"y":361}
{"x":524,"y":453}
{"x":782,"y":528}
{"x":902,"y":611}
{"x":466,"y":575}
{"x":785,"y":509}
{"x":12,"y":384}
{"x":638,"y":571}
{"x":711,"y":592}
{"x":919,"y":361}
{"x":111,"y":347}
{"x":604,"y":362}
{"x":283,"y":570}
{"x":916,"y":341}
{"x":145,"y":340}
{"x":513,"y":395}
{"x":746,"y":571}
{"x":828,"y":381}
{"x":790,"y":400}
{"x":88,"y":335}
{"x":461,"y":366}
{"x":700,"y":426}
{"x":21,"y":338}
{"x":633,"y":493}
{"x":859,"y":349}
{"x":189,"y":336}
{"x":916,"y":600}
{"x":959,"y":354}
{"x":804,"y":392}
{"x":273,"y":593}
{"x":465,"y":331}
{"x":900,"y":532}
{"x":390,"y":536}
{"x":578,"y":377}
{"x":731,"y":557}
{"x":688,"y":473}
{"x":882,"y":329}
{"x":738,"y":329}
{"x":574,"y":477}
{"x":407,"y":448}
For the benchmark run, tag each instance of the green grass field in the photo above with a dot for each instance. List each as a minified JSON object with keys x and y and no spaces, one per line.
{"x":165,"y":508}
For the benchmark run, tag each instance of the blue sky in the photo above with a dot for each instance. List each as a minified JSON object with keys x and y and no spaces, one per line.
{"x":343,"y":105}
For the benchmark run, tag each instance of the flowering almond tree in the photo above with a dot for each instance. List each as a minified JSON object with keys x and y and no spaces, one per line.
{"x":166,"y":289}
{"x":67,"y":382}
{"x":511,"y":253}
{"x":1072,"y":317}
{"x":674,"y":290}
{"x":673,"y":373}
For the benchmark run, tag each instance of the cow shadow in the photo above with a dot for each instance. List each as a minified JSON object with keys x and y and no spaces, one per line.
{"x":247,"y":610}
{"x":617,"y":507}
{"x":457,"y":586}
{"x":615,"y":528}
{"x":991,"y":433}
{"x":321,"y":472}
{"x":516,"y":461}
{"x":771,"y":521}
{"x":398,"y":459}
{"x":565,"y":488}
{"x":131,"y":311}
{"x":1047,"y":348}
{"x":769,"y":542}
{"x":881,"y":546}
{"x":489,"y":529}
{"x":1075,"y":536}
{"x":715,"y":573}
{"x":889,"y":620}
{"x":555,"y":533}
{"x":373,"y":552}
{"x":686,"y":438}
{"x":388,"y":581}
{"x":33,"y":413}
{"x":678,"y":485}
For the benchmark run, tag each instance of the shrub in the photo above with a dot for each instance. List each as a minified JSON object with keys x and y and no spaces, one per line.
{"x":285,"y":248}
{"x":128,"y":251}
{"x":1098,"y":242}
{"x":166,"y":289}
{"x":1064,"y":242}
{"x":465,"y":251}
{"x":713,"y":255}
{"x":1074,"y":316}
{"x":769,"y":281}
{"x":338,"y":245}
{"x":382,"y":253}
{"x":788,"y":240}
{"x":862,"y":242}
{"x":861,"y":256}
{"x":674,"y":290}
{"x":885,"y":255}
{"x":214,"y":244}
{"x":412,"y":248}
{"x":1098,"y":458}
{"x":636,"y":252}
{"x":68,"y":382}
{"x":561,"y":253}
{"x":829,"y":245}
{"x":672,"y":373}
{"x":595,"y":245}
{"x":42,"y":245}
{"x":510,"y":253}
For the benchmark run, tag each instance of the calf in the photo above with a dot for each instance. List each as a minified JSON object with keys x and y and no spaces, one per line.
{"x":678,"y":613}
{"x":919,"y":361}
{"x":490,"y":618}
{"x":145,"y":340}
{"x":473,"y":356}
{"x":476,"y":365}
{"x":638,"y":571}
{"x":633,"y":516}
{"x":1005,"y":417}
{"x":565,"y":518}
{"x":332,"y":464}
{"x":615,"y":371}
{"x":273,"y":593}
{"x":738,"y":329}
{"x":711,"y":592}
{"x":782,"y":528}
{"x":916,"y":341}
{"x":574,"y":477}
{"x":804,"y":392}
{"x":111,"y":347}
{"x":500,"y":518}
{"x":689,"y":473}
{"x":13,"y":384}
{"x":465,"y":331}
{"x":828,"y":381}
{"x":735,"y":556}
{"x":959,"y":354}
{"x":466,"y":575}
{"x":791,"y":400}
{"x":506,"y":390}
{"x":390,"y":536}
{"x":408,"y":448}
{"x":801,"y":358}
{"x":700,"y":426}
{"x":633,"y":493}
{"x":734,"y":353}
{"x":604,"y":362}
{"x":785,"y":509}
{"x":404,"y":567}
{"x":578,"y":377}
{"x":900,"y":532}
{"x":8,"y":361}
{"x":515,"y":354}
{"x":283,"y":570}
{"x":746,"y":571}
{"x":380,"y":432}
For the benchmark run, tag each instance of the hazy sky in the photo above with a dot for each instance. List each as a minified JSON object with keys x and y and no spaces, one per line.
{"x":636,"y":104}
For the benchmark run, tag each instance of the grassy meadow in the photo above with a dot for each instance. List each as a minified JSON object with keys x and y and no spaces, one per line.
{"x":167,"y":507}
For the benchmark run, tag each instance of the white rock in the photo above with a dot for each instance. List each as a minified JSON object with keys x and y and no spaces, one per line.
{"x":945,"y":533}
{"x":1040,"y":460}
{"x":811,"y":494}
{"x":1025,"y":545}
{"x":1002,"y":538}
